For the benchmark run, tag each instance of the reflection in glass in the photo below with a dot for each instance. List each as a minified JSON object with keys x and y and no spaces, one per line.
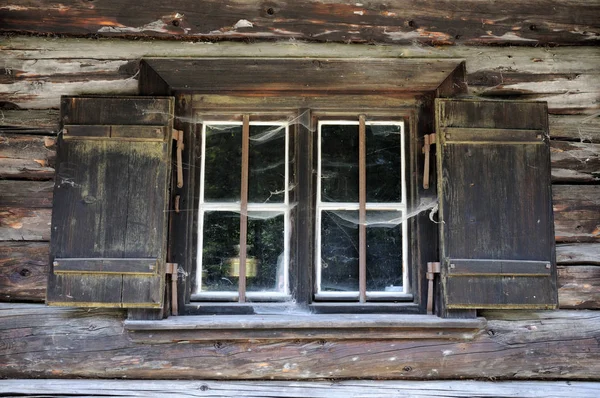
{"x":384,"y":251}
{"x":384,"y":183}
{"x":339,"y":251}
{"x":265,"y":262}
{"x":221,"y":239}
{"x":339,"y":163}
{"x":222,"y":163}
{"x":267,"y":164}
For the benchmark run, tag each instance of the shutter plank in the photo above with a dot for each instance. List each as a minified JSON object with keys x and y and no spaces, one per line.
{"x":110,"y":202}
{"x":497,"y":231}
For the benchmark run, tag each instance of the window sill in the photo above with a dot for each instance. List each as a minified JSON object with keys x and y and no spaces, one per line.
{"x":302,"y":327}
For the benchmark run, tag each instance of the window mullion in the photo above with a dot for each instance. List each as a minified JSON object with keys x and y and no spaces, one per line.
{"x":362,"y":210}
{"x":244,"y":207}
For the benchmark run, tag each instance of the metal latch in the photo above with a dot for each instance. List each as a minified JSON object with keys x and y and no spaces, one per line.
{"x":432,"y":269}
{"x":429,"y":141}
{"x":172,"y":270}
{"x":178,"y":136}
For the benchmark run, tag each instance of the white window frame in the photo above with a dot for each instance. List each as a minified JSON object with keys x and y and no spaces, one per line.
{"x":321,"y":206}
{"x":281,"y":208}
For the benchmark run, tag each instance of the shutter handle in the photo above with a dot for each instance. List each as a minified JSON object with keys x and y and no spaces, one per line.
{"x":432,"y":269}
{"x":178,"y":136}
{"x":429,"y":141}
{"x":172,"y":270}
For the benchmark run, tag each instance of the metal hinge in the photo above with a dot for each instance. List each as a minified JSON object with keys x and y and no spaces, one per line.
{"x":171,"y":269}
{"x":178,"y":136}
{"x":429,"y":140}
{"x":432,"y":269}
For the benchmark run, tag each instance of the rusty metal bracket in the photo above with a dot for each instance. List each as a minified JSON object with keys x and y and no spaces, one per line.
{"x":172,"y":270}
{"x":432,"y":269}
{"x":178,"y":136}
{"x":429,"y":140}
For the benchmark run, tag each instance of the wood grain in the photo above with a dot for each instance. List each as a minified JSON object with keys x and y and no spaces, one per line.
{"x":313,"y":389}
{"x":37,"y":342}
{"x":23,"y":270}
{"x":579,"y":286}
{"x":576,"y":213}
{"x":468,"y":22}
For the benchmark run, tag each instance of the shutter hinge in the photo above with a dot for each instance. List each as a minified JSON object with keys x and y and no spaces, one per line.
{"x":429,"y":141}
{"x":432,"y":269}
{"x":178,"y":136}
{"x":172,"y":269}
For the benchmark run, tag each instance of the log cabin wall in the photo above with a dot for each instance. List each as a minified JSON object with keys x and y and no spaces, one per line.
{"x":545,"y":50}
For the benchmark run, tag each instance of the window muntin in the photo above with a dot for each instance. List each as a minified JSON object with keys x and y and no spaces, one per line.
{"x":221,"y":209}
{"x":337,"y":242}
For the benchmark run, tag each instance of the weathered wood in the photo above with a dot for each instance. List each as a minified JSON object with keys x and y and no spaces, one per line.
{"x":540,"y":22}
{"x":26,"y":194}
{"x":576,"y":213}
{"x":19,"y":146}
{"x":50,"y":342}
{"x":314,"y":389}
{"x":579,"y":286}
{"x":575,"y":128}
{"x":24,"y":224}
{"x":329,"y":76}
{"x":23,"y":271}
{"x":60,"y":61}
{"x":496,"y":230}
{"x":32,"y":121}
{"x":578,"y":253}
{"x":303,"y":325}
{"x":575,"y":162}
{"x":110,"y":202}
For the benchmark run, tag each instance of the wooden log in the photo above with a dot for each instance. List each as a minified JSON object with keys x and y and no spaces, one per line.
{"x":27,"y":156}
{"x":51,"y":342}
{"x":578,"y":253}
{"x":28,"y":194}
{"x":576,"y":213}
{"x":560,"y":75}
{"x":314,"y":389}
{"x":44,"y":122}
{"x":575,"y":128}
{"x":579,"y":286}
{"x":575,"y":162}
{"x":24,"y":224}
{"x":471,"y":22}
{"x":23,"y":271}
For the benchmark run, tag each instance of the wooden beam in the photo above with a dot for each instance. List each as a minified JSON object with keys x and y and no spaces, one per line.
{"x":53,"y":342}
{"x":579,"y":286}
{"x":468,"y":22}
{"x":313,"y":389}
{"x":23,"y":270}
{"x":578,"y":253}
{"x":24,"y":224}
{"x":576,"y":213}
{"x":27,"y":194}
{"x":39,"y":70}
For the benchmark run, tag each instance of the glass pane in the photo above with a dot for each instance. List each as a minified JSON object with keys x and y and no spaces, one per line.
{"x":384,"y":182}
{"x":339,"y":163}
{"x":266,"y":182}
{"x":221,"y":239}
{"x":384,"y":251}
{"x":339,"y":251}
{"x":223,"y":163}
{"x":265,"y":264}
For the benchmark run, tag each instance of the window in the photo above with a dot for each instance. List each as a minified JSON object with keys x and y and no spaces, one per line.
{"x":302,"y":181}
{"x":244,"y":211}
{"x":246,"y":207}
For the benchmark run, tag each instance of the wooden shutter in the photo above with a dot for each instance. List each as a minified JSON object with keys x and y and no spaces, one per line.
{"x":108,"y":242}
{"x":497,"y":231}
